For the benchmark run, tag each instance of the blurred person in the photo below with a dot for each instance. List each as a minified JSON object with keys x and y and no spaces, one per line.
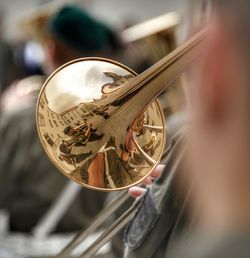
{"x":69,"y":34}
{"x":29,"y":183}
{"x":65,"y":39}
{"x":163,"y":214}
{"x":218,"y":144}
{"x":214,"y":178}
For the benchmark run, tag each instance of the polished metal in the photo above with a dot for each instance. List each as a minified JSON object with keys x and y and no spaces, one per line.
{"x":102,"y":126}
{"x":85,"y":131}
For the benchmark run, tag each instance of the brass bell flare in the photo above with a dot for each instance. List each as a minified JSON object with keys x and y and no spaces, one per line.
{"x":93,"y":131}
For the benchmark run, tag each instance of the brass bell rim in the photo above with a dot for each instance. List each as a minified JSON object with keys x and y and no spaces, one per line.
{"x":60,"y":169}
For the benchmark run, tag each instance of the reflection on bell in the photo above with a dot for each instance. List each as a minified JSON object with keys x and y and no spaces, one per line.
{"x":94,"y":130}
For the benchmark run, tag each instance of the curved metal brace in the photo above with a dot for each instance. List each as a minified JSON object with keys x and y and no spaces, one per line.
{"x":148,"y":159}
{"x":154,"y":128}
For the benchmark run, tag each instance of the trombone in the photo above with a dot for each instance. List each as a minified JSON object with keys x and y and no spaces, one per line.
{"x":79,"y":109}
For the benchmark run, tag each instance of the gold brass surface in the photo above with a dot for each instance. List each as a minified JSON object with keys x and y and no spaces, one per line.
{"x":85,"y":130}
{"x":100,"y":123}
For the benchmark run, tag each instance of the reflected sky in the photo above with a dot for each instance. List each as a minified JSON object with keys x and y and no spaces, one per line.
{"x":77,"y":83}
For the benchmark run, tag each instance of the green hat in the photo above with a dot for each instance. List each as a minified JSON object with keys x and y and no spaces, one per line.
{"x":78,"y":30}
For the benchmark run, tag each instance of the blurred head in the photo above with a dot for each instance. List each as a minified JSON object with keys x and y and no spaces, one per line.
{"x":73,"y":33}
{"x":68,"y":130}
{"x":220,"y":97}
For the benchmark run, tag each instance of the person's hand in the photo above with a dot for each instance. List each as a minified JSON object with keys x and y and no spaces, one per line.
{"x":137,"y":191}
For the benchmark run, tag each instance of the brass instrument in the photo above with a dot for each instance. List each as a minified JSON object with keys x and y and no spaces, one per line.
{"x":101,"y":97}
{"x":100,"y":124}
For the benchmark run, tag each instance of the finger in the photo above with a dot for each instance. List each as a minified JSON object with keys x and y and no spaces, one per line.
{"x":136,"y":191}
{"x":154,"y":175}
{"x":147,"y":180}
{"x":157,"y":171}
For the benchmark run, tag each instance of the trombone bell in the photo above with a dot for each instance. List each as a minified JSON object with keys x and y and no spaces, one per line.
{"x":92,"y":131}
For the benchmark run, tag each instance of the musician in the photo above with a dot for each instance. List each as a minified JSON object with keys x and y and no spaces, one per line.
{"x":29,"y":183}
{"x":211,"y":213}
